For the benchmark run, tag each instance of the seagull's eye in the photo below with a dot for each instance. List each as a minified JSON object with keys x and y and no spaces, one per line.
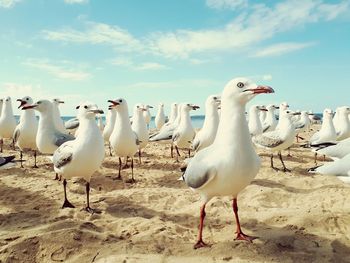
{"x":39,"y":102}
{"x":137,"y":107}
{"x":215,"y":98}
{"x":120,"y":101}
{"x":240,"y":85}
{"x":27,"y":99}
{"x":85,"y":107}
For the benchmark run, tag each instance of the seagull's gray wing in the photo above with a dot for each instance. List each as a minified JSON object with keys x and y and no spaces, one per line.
{"x":72,"y":124}
{"x":61,"y":138}
{"x":16,"y":135}
{"x":5,"y":160}
{"x":269,"y":140}
{"x":161,"y":136}
{"x":197,"y":175}
{"x":61,"y":157}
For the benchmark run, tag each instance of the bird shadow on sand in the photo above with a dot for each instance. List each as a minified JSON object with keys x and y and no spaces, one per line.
{"x":273,"y":184}
{"x":285,"y":244}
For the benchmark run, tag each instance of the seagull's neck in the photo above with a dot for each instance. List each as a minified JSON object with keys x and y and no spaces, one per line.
{"x":7,"y":111}
{"x":271,"y":116}
{"x":111,"y":117}
{"x":254,"y":118}
{"x":46,"y":120}
{"x":327,"y":124}
{"x":211,"y":117}
{"x":88,"y":130}
{"x":344,"y":119}
{"x":233,"y":128}
{"x":123,"y":120}
{"x":28,"y":116}
{"x":173,"y":115}
{"x":185,"y":119}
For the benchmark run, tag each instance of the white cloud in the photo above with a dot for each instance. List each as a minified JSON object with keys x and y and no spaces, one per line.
{"x":58,"y":71}
{"x":257,"y":23}
{"x":250,"y":28}
{"x":226,"y":4}
{"x":75,"y":1}
{"x":128,"y":63}
{"x":8,"y":3}
{"x":97,"y":33}
{"x":281,"y":48}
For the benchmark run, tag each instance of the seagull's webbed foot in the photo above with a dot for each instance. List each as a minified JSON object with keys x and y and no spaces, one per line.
{"x":35,"y":166}
{"x":200,"y":244}
{"x":286,"y":170}
{"x":275,"y":168}
{"x":67,"y":204}
{"x":242,"y":236}
{"x":92,"y":210}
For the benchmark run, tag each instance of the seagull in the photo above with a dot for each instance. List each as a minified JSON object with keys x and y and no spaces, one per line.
{"x":206,"y":135}
{"x":59,"y":124}
{"x":279,"y":139}
{"x":48,"y":138}
{"x":166,"y":132}
{"x":184,"y":134}
{"x":339,"y":168}
{"x":160,"y":117}
{"x":228,"y":165}
{"x":173,"y":112}
{"x":147,"y":114}
{"x":327,"y":132}
{"x":123,"y":140}
{"x":72,"y":124}
{"x":7,"y":121}
{"x":337,"y":151}
{"x":282,"y":107}
{"x":110,"y":122}
{"x":82,"y":156}
{"x":254,"y":123}
{"x":7,"y":162}
{"x":139,"y":127}
{"x":343,"y":131}
{"x":262,"y":114}
{"x":303,"y":124}
{"x":25,"y":132}
{"x":270,"y":123}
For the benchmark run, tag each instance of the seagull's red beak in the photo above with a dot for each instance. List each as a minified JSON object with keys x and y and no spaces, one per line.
{"x":22,"y":103}
{"x":27,"y":107}
{"x":262,"y":89}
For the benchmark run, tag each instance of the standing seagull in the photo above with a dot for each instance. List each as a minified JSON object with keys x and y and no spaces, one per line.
{"x":303,"y":124}
{"x":270,"y":120}
{"x":173,"y":112}
{"x":279,"y":139}
{"x":343,"y":131}
{"x":48,"y":138}
{"x":160,"y":117}
{"x":228,"y":165}
{"x":254,"y":123}
{"x":184,"y":134}
{"x":1,"y":103}
{"x":206,"y":135}
{"x":147,"y":114}
{"x":139,"y":127}
{"x":107,"y":131}
{"x":83,"y":156}
{"x":57,"y":115}
{"x":7,"y":121}
{"x":25,"y":132}
{"x":123,"y":140}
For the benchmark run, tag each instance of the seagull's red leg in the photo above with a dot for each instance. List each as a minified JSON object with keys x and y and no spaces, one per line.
{"x":240,"y":234}
{"x":200,"y":242}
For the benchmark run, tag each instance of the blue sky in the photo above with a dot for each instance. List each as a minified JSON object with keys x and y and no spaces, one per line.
{"x":163,"y":51}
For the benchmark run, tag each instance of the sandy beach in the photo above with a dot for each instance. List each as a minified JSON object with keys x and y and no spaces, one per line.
{"x":298,"y":217}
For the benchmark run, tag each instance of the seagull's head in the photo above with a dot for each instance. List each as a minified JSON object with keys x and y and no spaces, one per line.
{"x":283,"y":106}
{"x":188,"y":107}
{"x":41,"y":106}
{"x":147,"y":107}
{"x":119,"y":104}
{"x":213,"y":101}
{"x":272,"y":107}
{"x":328,"y":113}
{"x":345,"y":110}
{"x":243,"y":90}
{"x":139,"y":109}
{"x":88,"y":110}
{"x":57,"y":101}
{"x":7,"y":100}
{"x":161,"y":105}
{"x":25,"y":101}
